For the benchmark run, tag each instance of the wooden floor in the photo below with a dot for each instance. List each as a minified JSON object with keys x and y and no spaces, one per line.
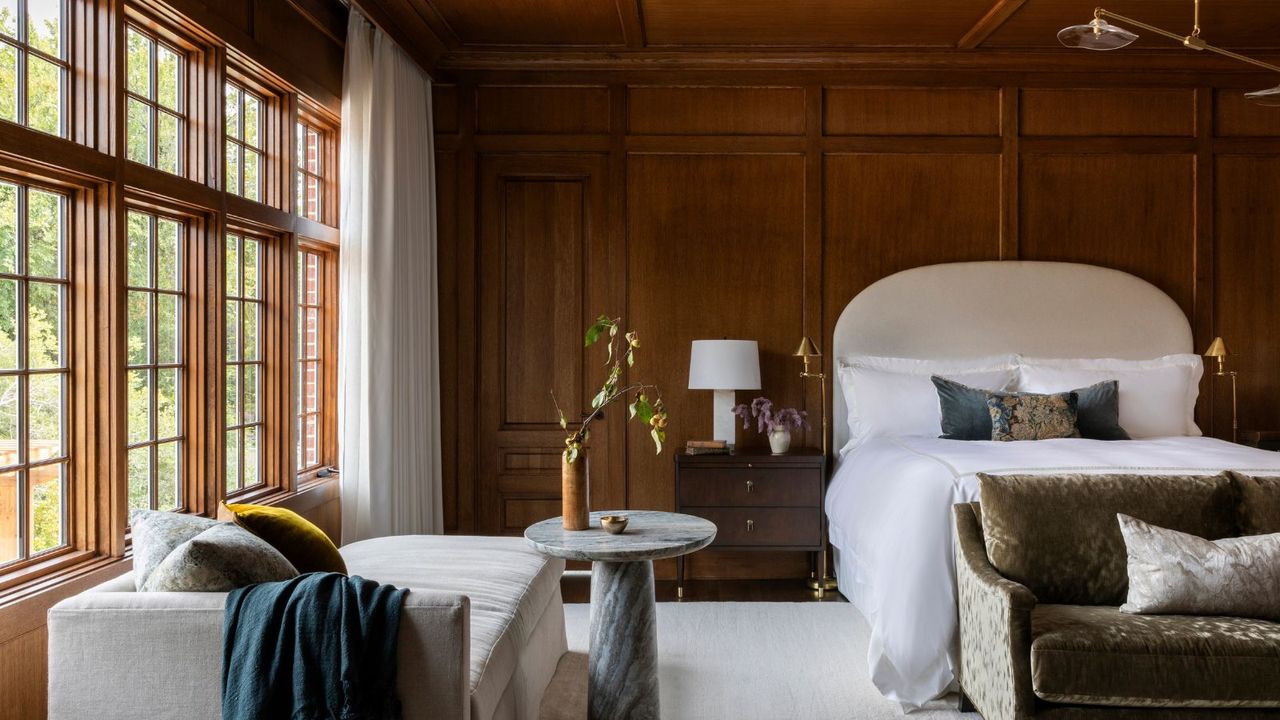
{"x":576,"y":587}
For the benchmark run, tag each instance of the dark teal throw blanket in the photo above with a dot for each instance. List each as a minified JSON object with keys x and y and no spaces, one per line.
{"x":321,"y":646}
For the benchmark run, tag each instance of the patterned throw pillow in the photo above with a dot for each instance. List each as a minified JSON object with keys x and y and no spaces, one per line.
{"x":1028,"y":416}
{"x":1175,"y":573}
{"x":220,"y":559}
{"x":156,"y":534}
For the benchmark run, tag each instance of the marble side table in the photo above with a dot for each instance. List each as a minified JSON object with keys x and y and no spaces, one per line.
{"x":622,"y":670}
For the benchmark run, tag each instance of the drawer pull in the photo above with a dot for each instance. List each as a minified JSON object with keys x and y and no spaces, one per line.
{"x":751,"y":525}
{"x":750,"y":486}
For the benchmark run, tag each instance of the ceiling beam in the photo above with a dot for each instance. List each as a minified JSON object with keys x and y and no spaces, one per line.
{"x":632,"y":22}
{"x":995,"y":17}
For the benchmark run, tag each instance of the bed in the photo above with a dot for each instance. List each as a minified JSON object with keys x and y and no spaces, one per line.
{"x":889,"y":500}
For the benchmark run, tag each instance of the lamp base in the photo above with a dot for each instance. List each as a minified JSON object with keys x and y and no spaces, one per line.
{"x":722,"y":417}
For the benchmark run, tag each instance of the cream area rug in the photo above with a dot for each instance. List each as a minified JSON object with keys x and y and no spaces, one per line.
{"x":748,"y":661}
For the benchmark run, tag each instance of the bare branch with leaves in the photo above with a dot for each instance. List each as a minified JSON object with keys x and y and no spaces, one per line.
{"x":651,"y":412}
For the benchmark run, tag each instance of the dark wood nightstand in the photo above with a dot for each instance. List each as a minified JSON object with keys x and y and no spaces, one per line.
{"x":757,"y":500}
{"x":1264,"y":439}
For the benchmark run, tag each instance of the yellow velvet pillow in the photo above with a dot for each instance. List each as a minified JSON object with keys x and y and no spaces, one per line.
{"x":299,"y":540}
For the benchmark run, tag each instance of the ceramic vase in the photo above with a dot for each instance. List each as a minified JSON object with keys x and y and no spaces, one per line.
{"x":574,"y":496}
{"x":780,"y":441}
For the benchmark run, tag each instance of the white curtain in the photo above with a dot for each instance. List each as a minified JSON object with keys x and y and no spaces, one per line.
{"x":388,"y":338}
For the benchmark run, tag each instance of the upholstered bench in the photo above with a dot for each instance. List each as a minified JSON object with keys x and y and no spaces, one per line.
{"x":480,"y":637}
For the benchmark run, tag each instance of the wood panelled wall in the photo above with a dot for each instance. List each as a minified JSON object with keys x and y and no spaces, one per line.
{"x":756,"y":205}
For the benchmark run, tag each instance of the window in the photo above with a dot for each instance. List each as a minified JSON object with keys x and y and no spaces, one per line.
{"x":245,"y":113}
{"x":33,"y":64}
{"x":156,"y":122}
{"x":310,"y":376}
{"x":244,"y":366}
{"x":33,"y":371}
{"x":309,"y":181}
{"x":154,"y":363}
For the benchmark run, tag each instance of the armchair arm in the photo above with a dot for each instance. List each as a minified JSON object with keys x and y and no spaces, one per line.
{"x":995,"y":628}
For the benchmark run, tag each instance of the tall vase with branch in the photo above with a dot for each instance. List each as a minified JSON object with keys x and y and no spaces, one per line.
{"x":646,"y":404}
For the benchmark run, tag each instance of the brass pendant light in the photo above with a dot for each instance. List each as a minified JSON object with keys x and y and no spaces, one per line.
{"x":1102,"y":35}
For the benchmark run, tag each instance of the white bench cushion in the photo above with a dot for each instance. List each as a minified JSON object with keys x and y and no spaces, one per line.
{"x":510,"y":586}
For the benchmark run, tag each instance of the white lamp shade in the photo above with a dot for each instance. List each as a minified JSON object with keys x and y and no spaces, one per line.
{"x":724,"y":365}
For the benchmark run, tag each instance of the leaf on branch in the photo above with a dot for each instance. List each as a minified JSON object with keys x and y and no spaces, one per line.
{"x":632,"y":408}
{"x":564,"y":423}
{"x":659,"y":437}
{"x":597,"y":329}
{"x":643,"y":409}
{"x":631,"y":358}
{"x":600,"y":397}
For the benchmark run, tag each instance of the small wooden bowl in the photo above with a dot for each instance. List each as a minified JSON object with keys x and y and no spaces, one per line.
{"x":613,"y":524}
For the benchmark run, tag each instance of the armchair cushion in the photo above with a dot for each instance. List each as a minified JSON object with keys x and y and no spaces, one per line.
{"x":1094,"y":655}
{"x":1059,"y":537}
{"x":1259,"y":504}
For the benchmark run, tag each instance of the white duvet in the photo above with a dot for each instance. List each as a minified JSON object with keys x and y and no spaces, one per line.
{"x":889,"y":508}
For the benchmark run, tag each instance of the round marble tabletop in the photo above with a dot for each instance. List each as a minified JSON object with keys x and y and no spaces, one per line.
{"x":650,"y":535}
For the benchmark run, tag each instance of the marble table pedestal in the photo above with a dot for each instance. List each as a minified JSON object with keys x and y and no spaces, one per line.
{"x":622,"y":669}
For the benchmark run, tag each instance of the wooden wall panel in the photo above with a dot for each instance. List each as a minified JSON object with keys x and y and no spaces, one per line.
{"x":716,"y":111}
{"x":24,"y":675}
{"x":911,"y":111}
{"x":886,"y":213}
{"x":538,"y":220}
{"x":541,"y":265}
{"x":728,"y":231}
{"x":1131,"y":212}
{"x":1111,"y":111}
{"x":1247,"y":293}
{"x":757,"y":205}
{"x":542,"y":110}
{"x":1235,"y":116}
{"x":444,"y":108}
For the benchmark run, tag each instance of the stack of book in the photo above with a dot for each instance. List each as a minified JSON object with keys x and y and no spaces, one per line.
{"x":707,"y":447}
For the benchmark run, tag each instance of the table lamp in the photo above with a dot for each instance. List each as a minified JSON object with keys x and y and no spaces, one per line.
{"x":1218,"y":349}
{"x":724,"y":366}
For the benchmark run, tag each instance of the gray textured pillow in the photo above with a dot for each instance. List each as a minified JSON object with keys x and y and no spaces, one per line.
{"x":1098,"y":411}
{"x":1029,"y":416}
{"x":1176,"y":573}
{"x":963,"y":409}
{"x":156,"y":534}
{"x":220,"y":559}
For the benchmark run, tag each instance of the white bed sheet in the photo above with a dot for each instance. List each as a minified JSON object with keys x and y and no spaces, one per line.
{"x":889,"y":512}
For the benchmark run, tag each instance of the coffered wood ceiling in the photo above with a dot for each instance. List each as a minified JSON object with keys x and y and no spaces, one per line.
{"x":469,"y":32}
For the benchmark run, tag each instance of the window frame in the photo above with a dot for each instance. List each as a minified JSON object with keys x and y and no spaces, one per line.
{"x":23,"y":371}
{"x":153,"y":105}
{"x":327,"y":430}
{"x":311,"y":115}
{"x":89,"y":163}
{"x":22,"y":43}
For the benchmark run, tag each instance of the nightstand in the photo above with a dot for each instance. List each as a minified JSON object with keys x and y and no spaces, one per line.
{"x":757,"y":500}
{"x":1264,"y":439}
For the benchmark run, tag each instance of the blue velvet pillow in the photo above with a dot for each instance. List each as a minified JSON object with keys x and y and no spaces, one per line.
{"x":1098,"y":411}
{"x":964,"y":410}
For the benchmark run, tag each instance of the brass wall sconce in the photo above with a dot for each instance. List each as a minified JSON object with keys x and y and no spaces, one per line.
{"x":809,"y":352}
{"x":1218,"y":349}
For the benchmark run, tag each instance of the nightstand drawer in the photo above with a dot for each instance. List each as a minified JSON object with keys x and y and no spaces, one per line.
{"x":732,"y":487}
{"x":783,"y":527}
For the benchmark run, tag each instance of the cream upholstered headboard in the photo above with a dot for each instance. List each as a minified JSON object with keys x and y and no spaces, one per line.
{"x":1041,"y":309}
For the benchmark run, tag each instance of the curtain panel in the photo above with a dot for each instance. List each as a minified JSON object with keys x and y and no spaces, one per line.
{"x":388,"y":334}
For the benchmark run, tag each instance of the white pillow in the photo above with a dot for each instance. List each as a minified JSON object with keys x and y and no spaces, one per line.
{"x":894,"y":397}
{"x":1157,"y":397}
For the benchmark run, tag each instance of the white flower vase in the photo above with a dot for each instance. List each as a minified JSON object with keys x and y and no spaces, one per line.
{"x":780,"y":441}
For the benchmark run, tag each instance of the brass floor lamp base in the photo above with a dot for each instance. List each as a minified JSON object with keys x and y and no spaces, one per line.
{"x":826,"y":583}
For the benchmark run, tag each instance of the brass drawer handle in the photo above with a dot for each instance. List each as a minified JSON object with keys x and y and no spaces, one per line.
{"x":751,"y":525}
{"x":750,"y":486}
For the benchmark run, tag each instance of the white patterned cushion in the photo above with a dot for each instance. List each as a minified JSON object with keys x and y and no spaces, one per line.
{"x":1171,"y":572}
{"x":156,"y":534}
{"x":220,"y":559}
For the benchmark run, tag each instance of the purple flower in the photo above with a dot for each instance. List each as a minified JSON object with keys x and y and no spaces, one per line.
{"x":767,"y":420}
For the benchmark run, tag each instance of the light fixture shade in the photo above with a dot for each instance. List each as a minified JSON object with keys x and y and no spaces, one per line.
{"x":724,"y":365}
{"x":807,"y":348}
{"x":1097,"y":35}
{"x":1269,"y":97}
{"x":1217,"y":349}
